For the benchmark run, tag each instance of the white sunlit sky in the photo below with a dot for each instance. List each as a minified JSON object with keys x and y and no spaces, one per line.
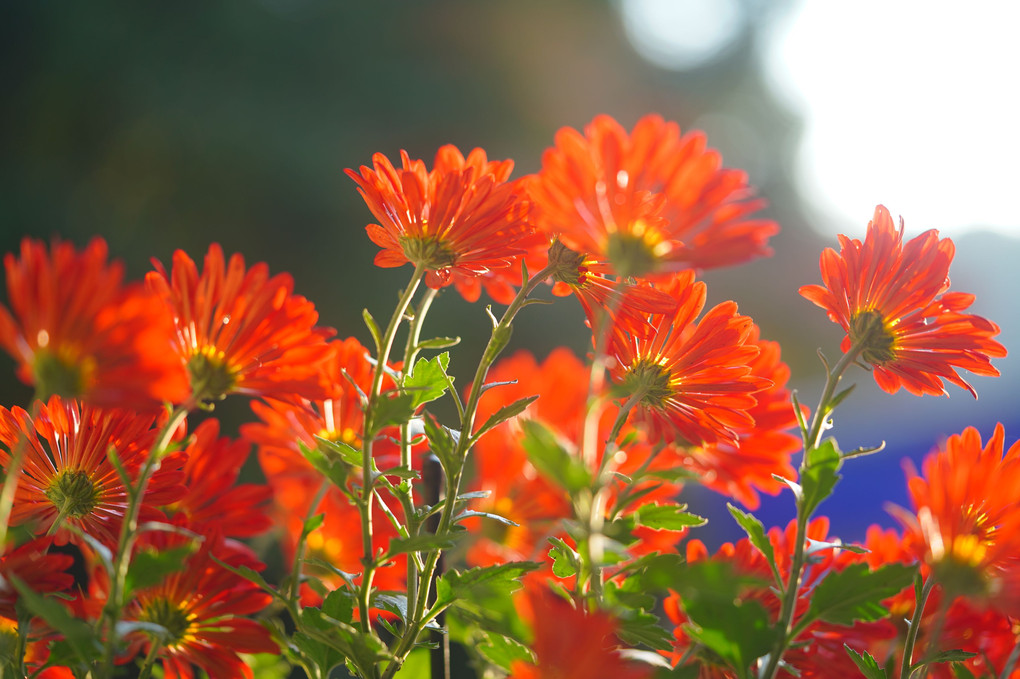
{"x":911,"y":104}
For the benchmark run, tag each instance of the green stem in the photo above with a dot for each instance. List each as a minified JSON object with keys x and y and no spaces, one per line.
{"x":811,"y":440}
{"x":294,"y":598}
{"x":129,"y":532}
{"x":149,"y":662}
{"x":367,"y":485}
{"x":915,"y":627}
{"x":497,"y":342}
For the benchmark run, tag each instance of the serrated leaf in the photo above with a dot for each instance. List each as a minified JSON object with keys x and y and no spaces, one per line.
{"x":856,"y":593}
{"x":668,"y":517}
{"x":640,"y":627}
{"x":954,"y":655}
{"x":759,"y":539}
{"x":820,"y":474}
{"x":454,"y":584}
{"x":441,"y":441}
{"x":502,"y":650}
{"x":551,"y":458}
{"x":391,"y":409}
{"x":345,"y":451}
{"x":503,"y":414}
{"x":566,"y":561}
{"x":428,"y":380}
{"x":393,"y":602}
{"x":865,"y":663}
{"x":738,"y":630}
{"x":335,"y":470}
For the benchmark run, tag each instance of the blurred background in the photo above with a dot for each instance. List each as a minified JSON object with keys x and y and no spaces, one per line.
{"x":173,"y":125}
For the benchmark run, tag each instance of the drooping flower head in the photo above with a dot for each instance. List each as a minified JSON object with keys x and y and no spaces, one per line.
{"x":204,"y":609}
{"x":463,"y":217}
{"x":693,"y":378}
{"x":649,"y":202}
{"x":242,"y":331}
{"x":891,"y":299}
{"x":967,"y":506}
{"x":67,"y":476}
{"x":78,"y":331}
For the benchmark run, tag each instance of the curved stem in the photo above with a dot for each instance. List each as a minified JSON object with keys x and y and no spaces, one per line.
{"x":811,"y":440}
{"x":129,"y":532}
{"x":294,"y":598}
{"x":367,"y":485}
{"x":497,"y":342}
{"x":915,"y":627}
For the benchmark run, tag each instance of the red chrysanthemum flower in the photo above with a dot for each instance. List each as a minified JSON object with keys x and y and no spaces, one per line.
{"x":77,"y":331}
{"x":649,"y":202}
{"x":967,"y":506}
{"x":693,"y":378}
{"x":242,"y":331}
{"x":891,"y":298}
{"x":560,"y":631}
{"x":213,"y":500}
{"x":764,"y":449}
{"x":203,"y":609}
{"x":67,"y":476}
{"x":464,"y":217}
{"x":39,"y":570}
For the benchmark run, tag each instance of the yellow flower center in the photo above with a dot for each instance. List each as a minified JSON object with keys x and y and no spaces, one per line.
{"x":869,"y":329}
{"x":212,"y":378}
{"x":73,"y":494}
{"x":649,"y":379}
{"x":428,"y":251}
{"x":637,"y":251}
{"x":62,"y":372}
{"x":170,"y":616}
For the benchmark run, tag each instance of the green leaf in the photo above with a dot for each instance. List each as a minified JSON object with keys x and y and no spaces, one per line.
{"x":78,"y":634}
{"x":439,"y":343}
{"x":856,"y":593}
{"x":366,"y":651}
{"x":502,"y":650}
{"x":866,"y":664}
{"x":738,"y":630}
{"x":668,"y":517}
{"x":759,"y":540}
{"x":566,"y":561}
{"x":504,"y":414}
{"x":454,"y":584}
{"x":312,"y":524}
{"x":346,"y":452}
{"x":391,"y":409}
{"x":149,"y":567}
{"x":441,"y":441}
{"x":551,"y":458}
{"x":393,"y":602}
{"x":954,"y":655}
{"x":488,"y":515}
{"x":820,"y":474}
{"x":421,"y":543}
{"x":373,"y":329}
{"x":334,"y":469}
{"x":428,"y":380}
{"x":640,"y":627}
{"x":961,"y":672}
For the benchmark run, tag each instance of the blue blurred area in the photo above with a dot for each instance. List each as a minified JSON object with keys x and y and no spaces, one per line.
{"x":160,"y":126}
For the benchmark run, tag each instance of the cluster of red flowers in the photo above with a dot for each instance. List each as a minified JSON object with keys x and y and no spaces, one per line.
{"x":624,"y":221}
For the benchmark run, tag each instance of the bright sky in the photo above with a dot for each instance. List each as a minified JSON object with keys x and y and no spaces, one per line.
{"x":912,"y":104}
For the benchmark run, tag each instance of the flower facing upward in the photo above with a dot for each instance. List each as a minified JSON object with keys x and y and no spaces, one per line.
{"x":891,"y":299}
{"x":242,"y":331}
{"x":462,"y":218}
{"x":967,"y":505}
{"x":77,"y":331}
{"x":649,"y":202}
{"x":693,"y":379}
{"x":71,"y":478}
